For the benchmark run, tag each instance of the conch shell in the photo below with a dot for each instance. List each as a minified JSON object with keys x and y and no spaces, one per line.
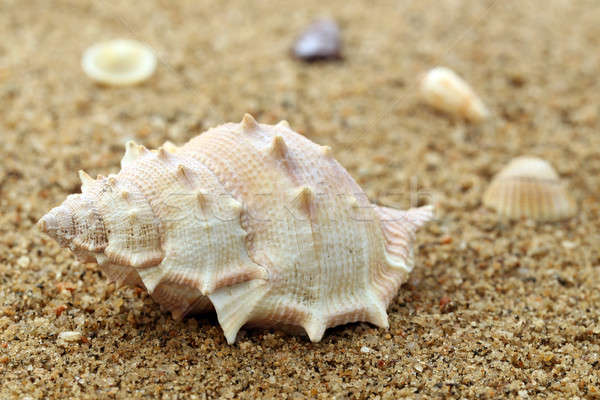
{"x":253,"y":220}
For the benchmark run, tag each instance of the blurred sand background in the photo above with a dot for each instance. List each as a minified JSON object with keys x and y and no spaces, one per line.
{"x":493,"y":308}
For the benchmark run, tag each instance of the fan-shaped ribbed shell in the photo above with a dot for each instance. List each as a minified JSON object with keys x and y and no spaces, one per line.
{"x":253,"y":220}
{"x":529,"y":187}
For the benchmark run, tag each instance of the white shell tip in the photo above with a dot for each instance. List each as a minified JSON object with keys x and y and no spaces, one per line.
{"x":151,"y":277}
{"x":249,"y":123}
{"x":169,"y":147}
{"x":201,"y":197}
{"x":315,"y":329}
{"x":182,"y":171}
{"x":278,"y":147}
{"x":132,"y":153}
{"x":303,"y":196}
{"x":86,"y":180}
{"x":283,"y":123}
{"x":377,"y":315}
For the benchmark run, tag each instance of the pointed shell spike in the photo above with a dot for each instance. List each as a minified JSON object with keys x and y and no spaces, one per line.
{"x":151,"y":277}
{"x":182,"y":172}
{"x":249,"y":124}
{"x":283,"y":123}
{"x":325,"y":150}
{"x":376,"y":313}
{"x":162,"y":154}
{"x":303,"y":197}
{"x":201,"y":196}
{"x":86,"y":180}
{"x":278,"y":147}
{"x":315,"y":328}
{"x":235,"y":304}
{"x":169,"y":146}
{"x":132,"y":153}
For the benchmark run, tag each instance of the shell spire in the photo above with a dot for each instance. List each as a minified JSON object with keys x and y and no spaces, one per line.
{"x":259,"y":227}
{"x":249,"y":124}
{"x":303,"y":197}
{"x":201,"y":197}
{"x":183,"y":173}
{"x":278,"y":147}
{"x":132,"y":153}
{"x":86,"y":180}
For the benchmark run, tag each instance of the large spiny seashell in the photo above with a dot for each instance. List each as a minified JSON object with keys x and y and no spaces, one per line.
{"x":254,"y":220}
{"x":529,"y":187}
{"x":444,"y":90}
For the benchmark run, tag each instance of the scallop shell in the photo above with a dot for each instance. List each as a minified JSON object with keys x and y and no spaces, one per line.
{"x":444,"y":90}
{"x":253,"y":220}
{"x":119,"y":62}
{"x":529,"y":187}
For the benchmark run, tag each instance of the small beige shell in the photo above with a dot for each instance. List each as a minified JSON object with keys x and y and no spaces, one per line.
{"x":444,"y":90}
{"x":119,"y":62}
{"x":529,"y":187}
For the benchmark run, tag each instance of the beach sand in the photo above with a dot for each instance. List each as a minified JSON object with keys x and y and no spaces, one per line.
{"x":493,"y":308}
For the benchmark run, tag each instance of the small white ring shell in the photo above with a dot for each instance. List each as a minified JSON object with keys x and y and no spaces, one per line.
{"x":119,"y":62}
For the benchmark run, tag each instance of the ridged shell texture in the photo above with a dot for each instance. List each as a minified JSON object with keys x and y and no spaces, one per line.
{"x":528,"y":187}
{"x":253,"y":220}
